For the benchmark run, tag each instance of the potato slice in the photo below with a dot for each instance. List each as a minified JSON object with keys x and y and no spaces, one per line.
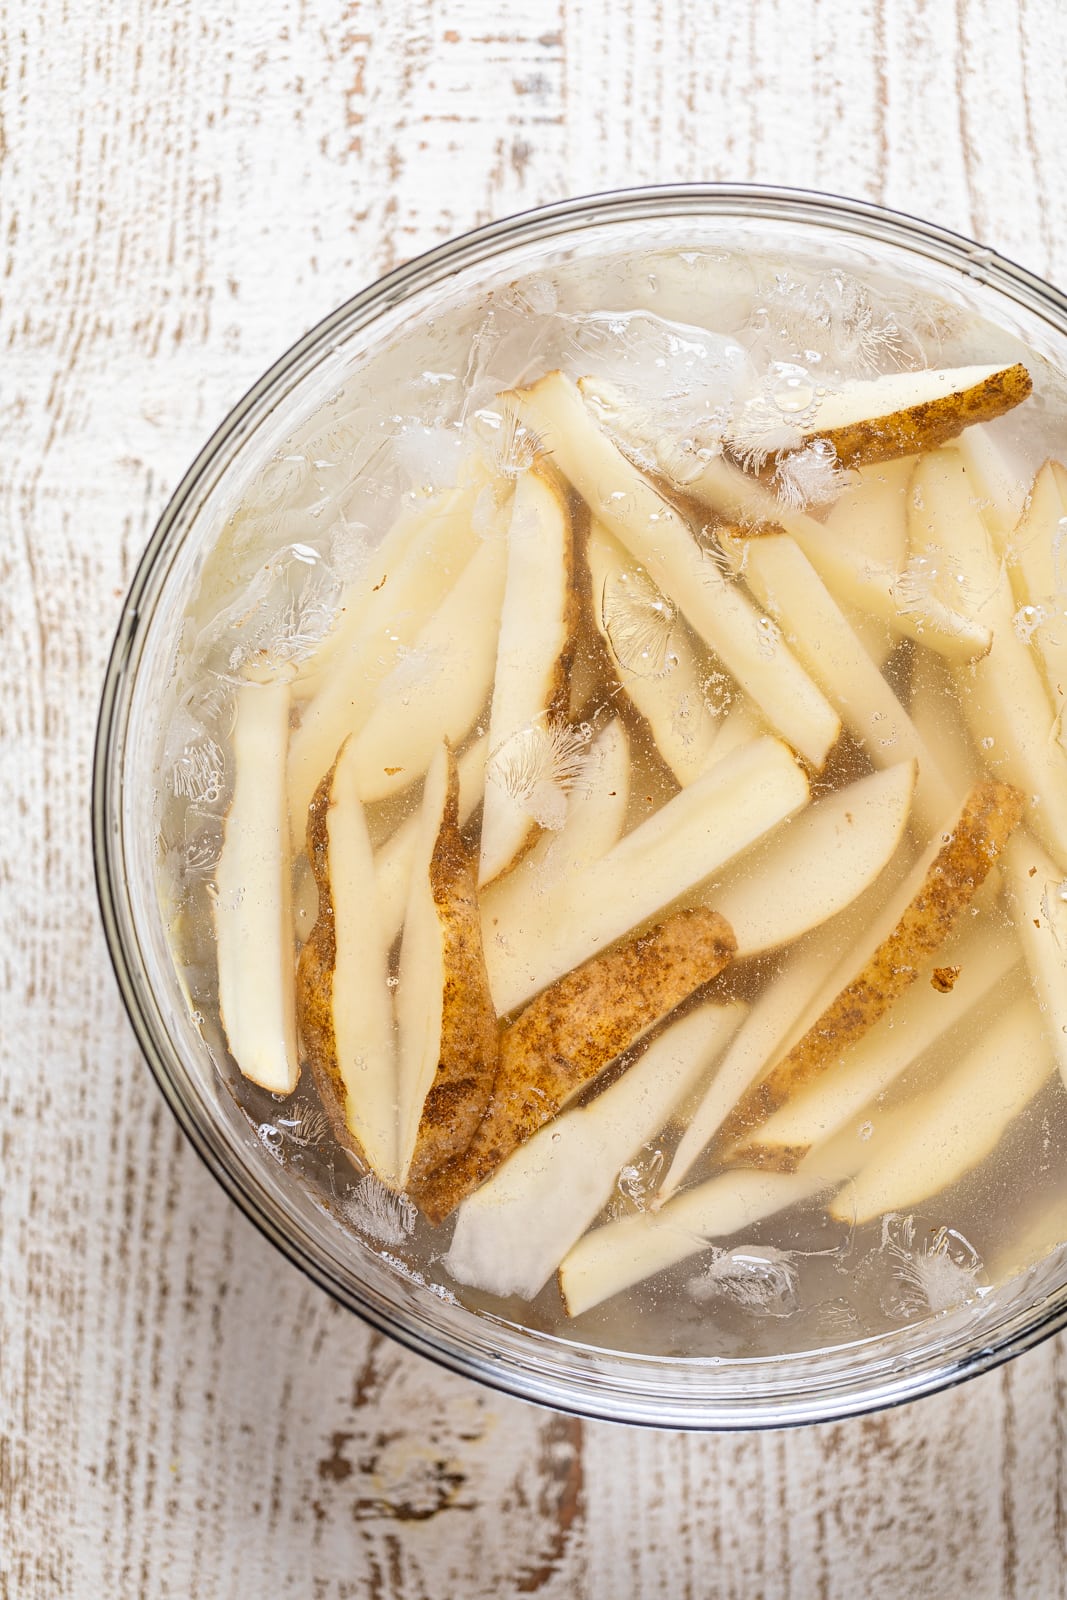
{"x":1038,"y":565}
{"x":660,"y":540}
{"x":871,"y":515}
{"x":896,"y":414}
{"x":513,"y":1233}
{"x":932,"y":1141}
{"x":571,"y":1032}
{"x":393,"y":861}
{"x":417,"y":568}
{"x":344,"y":1004}
{"x":252,"y":907}
{"x":920,"y":1019}
{"x":596,"y":813}
{"x":853,"y":577}
{"x":653,"y":656}
{"x":1035,"y":888}
{"x":816,"y":630}
{"x":1003,"y":696}
{"x":998,"y":483}
{"x":809,"y":871}
{"x":948,"y":884}
{"x":536,"y":642}
{"x":626,"y":1252}
{"x":437,"y":691}
{"x":448,"y":1034}
{"x":735,"y":802}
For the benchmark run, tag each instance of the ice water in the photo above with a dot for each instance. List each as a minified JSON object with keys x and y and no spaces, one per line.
{"x":689,"y":360}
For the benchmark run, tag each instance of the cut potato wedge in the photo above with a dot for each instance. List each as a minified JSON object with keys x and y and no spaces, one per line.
{"x":344,"y":1005}
{"x":534,"y":647}
{"x":1036,"y":893}
{"x":871,"y":514}
{"x":659,"y":539}
{"x":813,"y":625}
{"x":385,"y":619}
{"x":252,"y":905}
{"x":949,"y":883}
{"x":736,"y":801}
{"x":571,"y":1032}
{"x":653,"y":656}
{"x":974,"y":964}
{"x":854,"y":578}
{"x":1038,"y":568}
{"x":513,"y":1233}
{"x":439,"y":689}
{"x":596,"y":813}
{"x":937,"y":1138}
{"x":626,"y":1252}
{"x":448,"y":1034}
{"x":896,"y":414}
{"x":393,"y":861}
{"x":1005,"y":701}
{"x":811,"y":869}
{"x":997,"y":481}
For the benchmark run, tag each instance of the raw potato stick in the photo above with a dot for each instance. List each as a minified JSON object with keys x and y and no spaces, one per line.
{"x":344,"y":1004}
{"x":448,"y":1034}
{"x":992,"y":811}
{"x":252,"y":909}
{"x":534,"y":650}
{"x":897,"y":414}
{"x":570,"y":1033}
{"x":653,"y":657}
{"x":1036,"y":894}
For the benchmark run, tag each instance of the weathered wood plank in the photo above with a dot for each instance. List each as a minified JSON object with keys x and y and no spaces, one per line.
{"x":183,"y":190}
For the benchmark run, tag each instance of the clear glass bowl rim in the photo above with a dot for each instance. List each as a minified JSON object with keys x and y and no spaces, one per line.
{"x":586,"y":1393}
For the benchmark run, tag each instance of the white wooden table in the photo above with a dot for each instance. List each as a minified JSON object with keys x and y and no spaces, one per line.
{"x":184,"y":188}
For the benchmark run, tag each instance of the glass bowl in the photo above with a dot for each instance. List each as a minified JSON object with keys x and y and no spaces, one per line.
{"x":293,"y":400}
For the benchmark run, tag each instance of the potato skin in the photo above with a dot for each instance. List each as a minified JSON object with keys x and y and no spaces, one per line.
{"x":571,"y":1031}
{"x":470,"y":1034}
{"x":926,"y":426}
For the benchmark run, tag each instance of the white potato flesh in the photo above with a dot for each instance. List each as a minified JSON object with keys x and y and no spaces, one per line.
{"x":536,"y":625}
{"x":438,"y":690}
{"x":393,"y":860}
{"x":854,"y":578}
{"x":920,"y":1018}
{"x":656,"y":663}
{"x":513,"y":1232}
{"x":816,"y":865}
{"x":660,"y":540}
{"x":1004,"y":698}
{"x":624,"y":1253}
{"x":871,"y":514}
{"x":386,"y":621}
{"x":1037,"y":894}
{"x":1037,"y":563}
{"x":252,"y":907}
{"x":998,"y":481}
{"x":931,"y":1142}
{"x":815,"y":628}
{"x":596,"y":812}
{"x":693,"y":835}
{"x":362,"y":1007}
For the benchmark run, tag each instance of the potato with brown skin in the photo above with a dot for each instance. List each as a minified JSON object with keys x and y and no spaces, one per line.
{"x":988,"y":818}
{"x":449,"y":1035}
{"x":573,"y":1030}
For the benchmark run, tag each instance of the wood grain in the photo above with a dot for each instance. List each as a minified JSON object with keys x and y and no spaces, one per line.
{"x":183,"y":190}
